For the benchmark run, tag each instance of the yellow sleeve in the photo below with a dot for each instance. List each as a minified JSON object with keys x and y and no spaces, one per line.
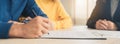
{"x":56,"y":13}
{"x":62,"y":20}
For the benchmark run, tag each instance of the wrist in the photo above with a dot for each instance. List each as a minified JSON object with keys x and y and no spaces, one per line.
{"x":16,"y":30}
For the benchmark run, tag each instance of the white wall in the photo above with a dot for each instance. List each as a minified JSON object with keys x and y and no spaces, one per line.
{"x":79,"y":10}
{"x":69,"y":6}
{"x":91,"y":6}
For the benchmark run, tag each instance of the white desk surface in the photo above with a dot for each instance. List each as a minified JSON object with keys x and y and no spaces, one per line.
{"x":60,"y":41}
{"x":56,"y":41}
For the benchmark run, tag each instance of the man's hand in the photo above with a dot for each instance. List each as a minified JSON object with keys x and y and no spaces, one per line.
{"x":105,"y":25}
{"x":33,"y":29}
{"x":111,"y":26}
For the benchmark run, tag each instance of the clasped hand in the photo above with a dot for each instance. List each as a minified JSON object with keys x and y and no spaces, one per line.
{"x":105,"y":25}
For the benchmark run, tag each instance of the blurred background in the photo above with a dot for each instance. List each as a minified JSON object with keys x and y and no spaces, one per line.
{"x":79,"y":10}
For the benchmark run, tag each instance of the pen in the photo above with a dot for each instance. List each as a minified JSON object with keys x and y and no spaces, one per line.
{"x":34,"y":13}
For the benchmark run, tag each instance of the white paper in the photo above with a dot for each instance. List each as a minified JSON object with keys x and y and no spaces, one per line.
{"x":108,"y":34}
{"x":70,"y":34}
{"x":82,"y":32}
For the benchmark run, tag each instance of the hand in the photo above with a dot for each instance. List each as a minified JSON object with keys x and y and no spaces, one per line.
{"x":46,"y":21}
{"x":33,"y":29}
{"x":105,"y":25}
{"x":49,"y":23}
{"x":101,"y":25}
{"x":111,"y":26}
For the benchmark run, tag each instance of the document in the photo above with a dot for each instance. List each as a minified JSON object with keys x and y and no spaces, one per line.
{"x":78,"y":32}
{"x":108,"y":34}
{"x":72,"y":35}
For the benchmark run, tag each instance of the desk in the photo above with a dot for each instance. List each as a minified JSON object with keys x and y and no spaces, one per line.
{"x":56,"y":41}
{"x":61,"y":41}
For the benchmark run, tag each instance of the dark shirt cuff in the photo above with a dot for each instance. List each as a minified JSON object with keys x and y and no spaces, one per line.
{"x":4,"y":30}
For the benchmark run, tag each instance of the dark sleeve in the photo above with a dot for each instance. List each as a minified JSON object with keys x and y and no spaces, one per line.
{"x":4,"y":30}
{"x":118,"y":25}
{"x":96,"y":14}
{"x":31,"y":5}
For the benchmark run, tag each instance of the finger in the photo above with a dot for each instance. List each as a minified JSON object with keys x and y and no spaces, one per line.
{"x":112,"y":26}
{"x":104,"y":22}
{"x":99,"y":27}
{"x":40,"y":34}
{"x":38,"y":30}
{"x":99,"y":20}
{"x":45,"y":25}
{"x":103,"y":27}
{"x":45,"y":19}
{"x":45,"y":31}
{"x":109,"y":25}
{"x":51,"y":26}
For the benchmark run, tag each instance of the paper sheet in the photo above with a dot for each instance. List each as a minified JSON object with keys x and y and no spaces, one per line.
{"x":82,"y":34}
{"x":108,"y":34}
{"x":71,"y":34}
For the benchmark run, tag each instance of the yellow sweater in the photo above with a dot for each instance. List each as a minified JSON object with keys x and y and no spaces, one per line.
{"x":56,"y":13}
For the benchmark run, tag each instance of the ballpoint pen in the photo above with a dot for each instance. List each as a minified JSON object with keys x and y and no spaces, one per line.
{"x":34,"y":13}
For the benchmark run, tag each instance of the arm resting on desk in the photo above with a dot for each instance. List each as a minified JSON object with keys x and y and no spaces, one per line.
{"x":4,"y":29}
